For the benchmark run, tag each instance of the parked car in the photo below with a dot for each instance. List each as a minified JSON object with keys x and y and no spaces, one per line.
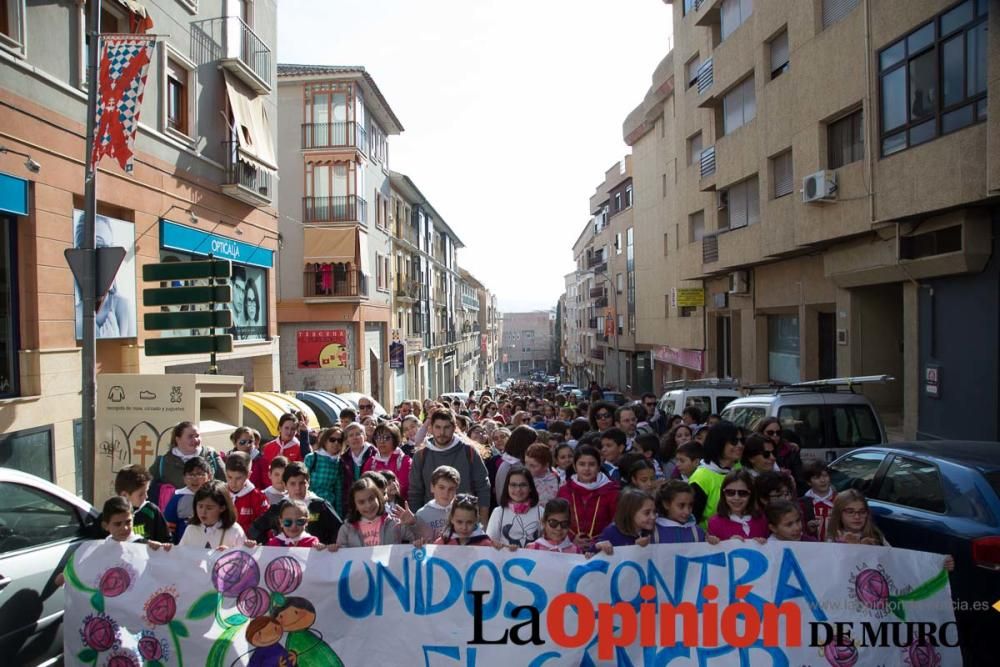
{"x":566,"y":388}
{"x":826,"y":417}
{"x":940,"y":496}
{"x":615,"y":397}
{"x":41,"y":525}
{"x":710,"y":396}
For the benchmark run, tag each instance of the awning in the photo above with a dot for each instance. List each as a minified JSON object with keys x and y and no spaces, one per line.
{"x":330,"y":245}
{"x":140,"y":22}
{"x":251,"y":125}
{"x":363,"y":252}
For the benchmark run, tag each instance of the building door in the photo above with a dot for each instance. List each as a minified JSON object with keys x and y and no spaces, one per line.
{"x":724,"y":346}
{"x":827,"y":335}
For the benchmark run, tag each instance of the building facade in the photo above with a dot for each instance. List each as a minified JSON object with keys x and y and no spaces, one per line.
{"x":426,"y":295}
{"x":336,"y":283}
{"x":528,"y":343}
{"x":203,"y":183}
{"x":825,"y":173}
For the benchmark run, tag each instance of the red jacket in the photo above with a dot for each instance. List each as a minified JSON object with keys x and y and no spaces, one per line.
{"x":292,"y":452}
{"x":250,"y":503}
{"x":590,"y":510}
{"x":398,"y":463}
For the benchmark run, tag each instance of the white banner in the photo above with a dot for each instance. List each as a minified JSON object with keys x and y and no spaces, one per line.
{"x":733,"y":604}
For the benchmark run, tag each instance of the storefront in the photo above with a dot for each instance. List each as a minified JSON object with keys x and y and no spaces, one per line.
{"x":13,"y":203}
{"x":250,"y":276}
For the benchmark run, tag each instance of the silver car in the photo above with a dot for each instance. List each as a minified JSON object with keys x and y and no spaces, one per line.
{"x":41,"y":525}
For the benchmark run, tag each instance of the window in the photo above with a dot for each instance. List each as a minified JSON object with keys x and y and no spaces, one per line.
{"x":855,"y":426}
{"x":739,"y":106}
{"x":618,"y":202}
{"x":28,"y":451}
{"x":178,"y":102}
{"x":691,"y":71}
{"x":694,"y":149}
{"x":845,"y":140}
{"x":628,"y":197}
{"x":12,"y":24}
{"x":663,"y":185}
{"x":779,"y":54}
{"x":621,"y":324}
{"x":666,"y":244}
{"x":913,"y":483}
{"x":33,"y":518}
{"x":781,"y":174}
{"x":929,"y":244}
{"x":933,"y":80}
{"x":9,"y":320}
{"x":740,"y":205}
{"x":783,"y":348}
{"x":834,"y":10}
{"x":856,"y":471}
{"x":690,"y":6}
{"x":619,"y":282}
{"x":734,"y":13}
{"x":696,"y":225}
{"x":618,"y":243}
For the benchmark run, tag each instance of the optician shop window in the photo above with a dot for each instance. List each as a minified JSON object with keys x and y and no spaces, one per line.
{"x":249,"y":304}
{"x":9,"y":385}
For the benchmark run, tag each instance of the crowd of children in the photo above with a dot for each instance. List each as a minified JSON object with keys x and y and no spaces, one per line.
{"x":610,"y":477}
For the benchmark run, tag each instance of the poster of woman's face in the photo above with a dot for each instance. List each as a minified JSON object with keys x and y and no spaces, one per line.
{"x":249,"y":322}
{"x":115,"y":317}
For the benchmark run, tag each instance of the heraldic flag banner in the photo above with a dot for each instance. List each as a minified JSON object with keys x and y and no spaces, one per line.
{"x":786,"y":604}
{"x":124,"y":65}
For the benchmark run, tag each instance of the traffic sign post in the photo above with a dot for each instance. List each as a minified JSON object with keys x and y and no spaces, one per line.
{"x":189,"y":296}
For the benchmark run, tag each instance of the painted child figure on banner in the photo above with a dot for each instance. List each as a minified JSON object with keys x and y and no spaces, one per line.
{"x":264,"y":635}
{"x":306,"y":645}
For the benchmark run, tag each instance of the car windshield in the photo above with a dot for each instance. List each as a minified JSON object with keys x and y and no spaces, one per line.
{"x":747,"y":416}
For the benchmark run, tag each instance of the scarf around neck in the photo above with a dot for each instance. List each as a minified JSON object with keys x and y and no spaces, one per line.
{"x":291,"y":542}
{"x":601,"y":480}
{"x":743,"y":521}
{"x":176,"y":451}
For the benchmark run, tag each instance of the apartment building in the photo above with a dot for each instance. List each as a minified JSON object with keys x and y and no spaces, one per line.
{"x":471,"y":337}
{"x":202,"y":184}
{"x":528,"y":343}
{"x":827,"y":171}
{"x":335,"y":231}
{"x":427,"y":300}
{"x":572,"y":334}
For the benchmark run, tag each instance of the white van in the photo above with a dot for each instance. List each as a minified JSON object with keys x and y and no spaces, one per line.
{"x":710,"y":396}
{"x":827,"y":417}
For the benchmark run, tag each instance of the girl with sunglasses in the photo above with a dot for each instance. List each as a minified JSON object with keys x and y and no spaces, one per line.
{"x":786,"y":453}
{"x":555,"y":529}
{"x":243,"y":441}
{"x":292,"y":521}
{"x":758,"y":455}
{"x":329,"y":476}
{"x":738,"y":516}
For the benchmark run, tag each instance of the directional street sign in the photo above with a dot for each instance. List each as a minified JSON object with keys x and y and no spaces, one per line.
{"x":191,"y":319}
{"x":183,"y":296}
{"x":159,"y":347}
{"x":212,"y":268}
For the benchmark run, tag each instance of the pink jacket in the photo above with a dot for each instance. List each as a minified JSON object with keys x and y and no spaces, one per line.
{"x":398,"y":463}
{"x":724,"y":527}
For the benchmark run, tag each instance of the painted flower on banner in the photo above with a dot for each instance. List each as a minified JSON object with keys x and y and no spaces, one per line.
{"x":161,"y":608}
{"x":254,"y":602}
{"x":235,"y":572}
{"x":920,"y":654}
{"x":99,"y":632}
{"x":123,"y":658}
{"x":871,"y":588}
{"x":841,"y":654}
{"x":152,"y":648}
{"x":116,"y":580}
{"x":283,"y":575}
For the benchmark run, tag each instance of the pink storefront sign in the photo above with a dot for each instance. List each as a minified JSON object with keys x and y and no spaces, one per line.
{"x":692,"y":359}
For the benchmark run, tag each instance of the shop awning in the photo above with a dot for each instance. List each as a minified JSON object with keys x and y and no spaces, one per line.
{"x":330,"y":245}
{"x":251,"y":125}
{"x":140,"y":21}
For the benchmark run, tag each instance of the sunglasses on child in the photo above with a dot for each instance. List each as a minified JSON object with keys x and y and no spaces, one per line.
{"x":244,"y":442}
{"x":288,"y":523}
{"x":734,"y":493}
{"x":553,"y":524}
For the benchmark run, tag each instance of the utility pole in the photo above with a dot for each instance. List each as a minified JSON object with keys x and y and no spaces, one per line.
{"x":88,"y":291}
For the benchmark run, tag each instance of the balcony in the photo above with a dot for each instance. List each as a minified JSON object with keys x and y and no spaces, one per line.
{"x":237,"y":48}
{"x":336,"y":283}
{"x":597,"y":353}
{"x":408,"y":289}
{"x":442,"y":338}
{"x":350,"y":208}
{"x":597,"y":292}
{"x":595,"y":260}
{"x":245,"y":180}
{"x":334,"y":135}
{"x":602,"y":302}
{"x":602,"y":338}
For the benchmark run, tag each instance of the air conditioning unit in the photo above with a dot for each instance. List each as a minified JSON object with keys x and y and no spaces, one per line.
{"x":739,"y":282}
{"x":722,"y":199}
{"x":819,"y":187}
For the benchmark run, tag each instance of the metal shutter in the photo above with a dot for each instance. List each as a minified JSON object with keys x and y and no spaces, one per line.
{"x":834,"y":10}
{"x":779,"y":52}
{"x":738,"y":205}
{"x":783,"y":174}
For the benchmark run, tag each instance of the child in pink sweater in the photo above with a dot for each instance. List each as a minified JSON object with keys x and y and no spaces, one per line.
{"x":738,"y":517}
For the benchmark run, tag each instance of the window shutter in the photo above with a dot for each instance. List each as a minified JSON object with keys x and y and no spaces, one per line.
{"x":753,"y":200}
{"x":834,"y":10}
{"x":738,"y":205}
{"x":730,"y":17}
{"x":692,"y":70}
{"x":749,"y":100}
{"x":779,"y":52}
{"x":782,"y":168}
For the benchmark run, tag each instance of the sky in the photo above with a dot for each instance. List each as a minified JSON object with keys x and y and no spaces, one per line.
{"x":512,"y":112}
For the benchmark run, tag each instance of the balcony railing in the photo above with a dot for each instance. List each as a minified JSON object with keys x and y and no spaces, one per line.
{"x":334,"y":135}
{"x":709,"y":249}
{"x":597,"y":292}
{"x":350,"y":208}
{"x":241,"y":51}
{"x":243,"y":179}
{"x":335,"y":283}
{"x":602,"y":338}
{"x":592,"y":323}
{"x":706,"y":76}
{"x":408,"y":289}
{"x":595,"y":259}
{"x":597,"y":353}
